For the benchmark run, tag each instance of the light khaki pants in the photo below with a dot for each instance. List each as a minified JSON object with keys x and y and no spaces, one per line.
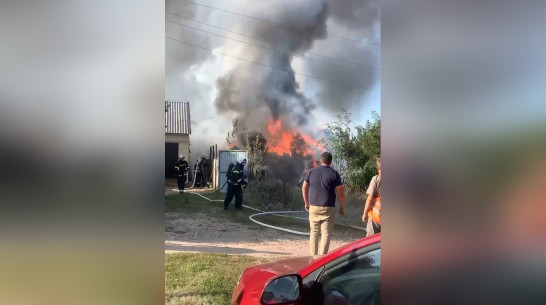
{"x":372,"y":228}
{"x":321,"y":221}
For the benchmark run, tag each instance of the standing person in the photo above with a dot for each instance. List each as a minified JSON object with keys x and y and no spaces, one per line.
{"x":203,"y":168}
{"x":235,"y":179}
{"x":319,"y":193}
{"x":181,"y":168}
{"x":308,"y":166}
{"x":372,"y":209}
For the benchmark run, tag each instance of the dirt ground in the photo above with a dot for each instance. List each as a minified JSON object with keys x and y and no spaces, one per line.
{"x":202,"y":233}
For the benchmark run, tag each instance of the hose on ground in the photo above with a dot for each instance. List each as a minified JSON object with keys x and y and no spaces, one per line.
{"x":260,"y":213}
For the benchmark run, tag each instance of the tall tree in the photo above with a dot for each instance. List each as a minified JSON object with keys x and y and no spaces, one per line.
{"x":354,"y":152}
{"x":231,"y":138}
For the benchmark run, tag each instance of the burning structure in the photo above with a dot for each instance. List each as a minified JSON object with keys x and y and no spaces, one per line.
{"x":263,"y":66}
{"x":269,"y":101}
{"x":285,"y":153}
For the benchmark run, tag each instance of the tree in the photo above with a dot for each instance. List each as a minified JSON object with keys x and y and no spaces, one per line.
{"x":253,"y":142}
{"x":256,"y":150}
{"x":338,"y":139}
{"x":354,"y":153}
{"x":231,"y":138}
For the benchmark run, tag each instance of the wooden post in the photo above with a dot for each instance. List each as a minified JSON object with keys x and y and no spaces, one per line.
{"x":216,"y":170}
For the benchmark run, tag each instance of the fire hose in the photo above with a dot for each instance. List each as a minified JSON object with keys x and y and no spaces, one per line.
{"x":251,"y":217}
{"x":276,"y":213}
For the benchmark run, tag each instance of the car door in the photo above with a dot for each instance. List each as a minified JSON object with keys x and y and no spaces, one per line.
{"x":352,"y":279}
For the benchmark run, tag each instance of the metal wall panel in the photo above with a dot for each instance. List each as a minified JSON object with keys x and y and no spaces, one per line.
{"x":225,"y":157}
{"x":177,"y":117}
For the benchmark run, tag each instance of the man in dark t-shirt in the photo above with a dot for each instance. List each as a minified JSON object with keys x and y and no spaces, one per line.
{"x":319,"y":193}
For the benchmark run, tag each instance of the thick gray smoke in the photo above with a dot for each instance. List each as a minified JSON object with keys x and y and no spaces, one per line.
{"x":254,"y":94}
{"x":181,"y":57}
{"x":358,"y":20}
{"x":361,"y":17}
{"x":258,"y":93}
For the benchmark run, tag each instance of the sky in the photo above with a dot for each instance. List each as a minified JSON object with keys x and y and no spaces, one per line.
{"x":295,"y":61}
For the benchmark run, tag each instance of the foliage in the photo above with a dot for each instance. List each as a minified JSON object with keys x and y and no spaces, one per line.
{"x":256,"y":150}
{"x":355,"y":152}
{"x":338,"y":140}
{"x":231,"y":138}
{"x":253,"y":143}
{"x":272,"y":196}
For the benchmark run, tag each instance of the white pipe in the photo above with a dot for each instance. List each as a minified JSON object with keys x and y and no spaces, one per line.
{"x":210,"y":200}
{"x":275,"y":227}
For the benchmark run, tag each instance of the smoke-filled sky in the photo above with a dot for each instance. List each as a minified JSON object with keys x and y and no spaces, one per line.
{"x":294,"y":61}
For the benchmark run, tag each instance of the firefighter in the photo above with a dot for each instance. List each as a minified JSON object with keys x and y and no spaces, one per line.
{"x":236,"y":182}
{"x":181,"y":168}
{"x":203,"y":168}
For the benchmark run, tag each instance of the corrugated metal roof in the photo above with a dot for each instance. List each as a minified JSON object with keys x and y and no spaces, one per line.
{"x":177,"y":117}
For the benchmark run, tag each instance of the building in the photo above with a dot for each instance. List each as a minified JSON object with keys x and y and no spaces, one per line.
{"x":177,"y":134}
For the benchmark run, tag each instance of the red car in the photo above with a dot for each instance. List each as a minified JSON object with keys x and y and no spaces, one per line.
{"x":350,"y":275}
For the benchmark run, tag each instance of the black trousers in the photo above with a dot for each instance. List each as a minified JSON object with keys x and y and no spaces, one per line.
{"x":237,"y":191}
{"x":181,"y":179}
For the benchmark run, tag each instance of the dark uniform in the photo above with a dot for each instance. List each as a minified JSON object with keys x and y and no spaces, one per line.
{"x":204,"y":168}
{"x":181,"y":168}
{"x":235,"y":181}
{"x":202,"y":172}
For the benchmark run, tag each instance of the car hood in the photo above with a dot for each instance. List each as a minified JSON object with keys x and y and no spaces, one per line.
{"x":254,"y":279}
{"x":286,"y":266}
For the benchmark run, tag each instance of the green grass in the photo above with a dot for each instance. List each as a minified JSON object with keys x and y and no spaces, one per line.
{"x":193,"y":278}
{"x":193,"y":204}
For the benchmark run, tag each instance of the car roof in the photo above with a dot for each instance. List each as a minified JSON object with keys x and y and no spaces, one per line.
{"x":321,"y":261}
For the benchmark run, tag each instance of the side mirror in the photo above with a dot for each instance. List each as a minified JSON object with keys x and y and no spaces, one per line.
{"x":282,"y":290}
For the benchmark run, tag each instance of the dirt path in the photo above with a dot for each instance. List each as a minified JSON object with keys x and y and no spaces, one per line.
{"x":202,"y":233}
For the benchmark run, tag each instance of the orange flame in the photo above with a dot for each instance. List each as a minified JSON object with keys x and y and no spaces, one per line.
{"x":283,"y":142}
{"x":274,"y":126}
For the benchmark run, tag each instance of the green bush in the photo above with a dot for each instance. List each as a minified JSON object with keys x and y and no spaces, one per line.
{"x":354,"y":151}
{"x":273,"y":196}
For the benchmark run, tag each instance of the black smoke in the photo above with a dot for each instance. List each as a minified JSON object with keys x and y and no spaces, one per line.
{"x":257,"y":93}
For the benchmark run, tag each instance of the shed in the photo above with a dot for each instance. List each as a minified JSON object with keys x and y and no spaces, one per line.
{"x":177,"y":134}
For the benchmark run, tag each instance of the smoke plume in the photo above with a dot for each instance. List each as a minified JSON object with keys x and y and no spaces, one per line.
{"x":266,"y":91}
{"x":258,"y":93}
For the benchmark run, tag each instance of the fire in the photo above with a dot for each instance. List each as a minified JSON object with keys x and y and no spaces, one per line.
{"x":288,"y":142}
{"x":274,"y":126}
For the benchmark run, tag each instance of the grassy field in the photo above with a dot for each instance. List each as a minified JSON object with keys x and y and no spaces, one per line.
{"x":193,"y":278}
{"x":193,"y":204}
{"x":189,"y":203}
